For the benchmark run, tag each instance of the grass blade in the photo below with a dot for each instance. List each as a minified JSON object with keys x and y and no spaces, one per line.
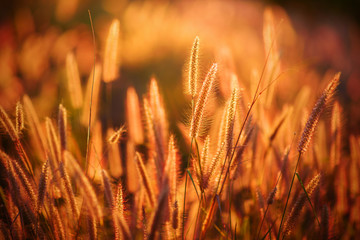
{"x":192,"y":180}
{"x":307,"y":196}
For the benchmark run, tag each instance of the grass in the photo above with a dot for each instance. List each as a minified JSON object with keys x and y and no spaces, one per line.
{"x":151,"y":178}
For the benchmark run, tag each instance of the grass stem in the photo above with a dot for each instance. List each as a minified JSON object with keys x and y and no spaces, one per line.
{"x":288,"y":197}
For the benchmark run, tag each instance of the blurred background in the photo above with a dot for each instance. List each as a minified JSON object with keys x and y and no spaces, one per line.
{"x":314,"y":40}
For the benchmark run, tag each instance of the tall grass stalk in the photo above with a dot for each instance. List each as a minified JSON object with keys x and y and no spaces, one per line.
{"x":91,"y":97}
{"x":309,"y":131}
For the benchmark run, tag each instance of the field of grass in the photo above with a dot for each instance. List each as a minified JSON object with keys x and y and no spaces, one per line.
{"x":147,"y":121}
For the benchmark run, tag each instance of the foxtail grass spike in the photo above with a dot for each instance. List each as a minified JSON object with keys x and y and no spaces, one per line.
{"x":25,"y":181}
{"x":271,"y":196}
{"x":19,"y":118}
{"x":316,"y":112}
{"x":16,"y":170}
{"x":201,"y":102}
{"x":118,"y":211}
{"x":62,"y":122}
{"x":8,"y":125}
{"x":53,"y":141}
{"x":34,"y":123}
{"x":215,"y":162}
{"x":230,"y":119}
{"x":170,"y":170}
{"x":193,"y":68}
{"x":92,"y":227}
{"x":222,"y":129}
{"x":158,"y":110}
{"x":324,"y":227}
{"x":43,"y":183}
{"x":205,"y":153}
{"x":58,"y":225}
{"x":74,"y":82}
{"x":145,"y":178}
{"x":133,"y":116}
{"x":110,"y":67}
{"x":300,"y":202}
{"x":175,"y":216}
{"x":119,"y":201}
{"x":149,"y":118}
{"x":125,"y":231}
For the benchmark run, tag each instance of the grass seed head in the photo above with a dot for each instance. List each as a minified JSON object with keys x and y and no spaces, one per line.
{"x":8,"y":125}
{"x":201,"y":102}
{"x":19,"y":118}
{"x":299,"y":204}
{"x":111,"y":58}
{"x":193,"y":68}
{"x":74,"y":82}
{"x":62,"y":122}
{"x":316,"y":112}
